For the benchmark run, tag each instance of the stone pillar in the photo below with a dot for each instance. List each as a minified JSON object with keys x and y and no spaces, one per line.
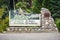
{"x":47,"y":20}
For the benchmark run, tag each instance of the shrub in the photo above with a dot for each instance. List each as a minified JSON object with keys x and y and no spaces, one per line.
{"x":58,"y":24}
{"x":3,"y":21}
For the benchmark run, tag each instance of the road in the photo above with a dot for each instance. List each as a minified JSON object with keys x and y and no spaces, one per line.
{"x":30,"y":36}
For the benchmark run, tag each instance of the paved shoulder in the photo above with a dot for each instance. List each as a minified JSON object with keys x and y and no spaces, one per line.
{"x":30,"y":36}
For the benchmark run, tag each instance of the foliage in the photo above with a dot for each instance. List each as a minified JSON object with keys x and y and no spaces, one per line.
{"x":3,"y":20}
{"x":3,"y":24}
{"x":1,"y":11}
{"x":58,"y":24}
{"x":4,"y":15}
{"x":36,"y":6}
{"x":52,"y":5}
{"x":21,"y":4}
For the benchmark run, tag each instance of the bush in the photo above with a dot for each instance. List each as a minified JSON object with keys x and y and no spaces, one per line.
{"x":4,"y":24}
{"x":4,"y":20}
{"x":58,"y":24}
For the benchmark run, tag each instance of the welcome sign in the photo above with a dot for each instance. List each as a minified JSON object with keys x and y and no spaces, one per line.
{"x":25,"y":19}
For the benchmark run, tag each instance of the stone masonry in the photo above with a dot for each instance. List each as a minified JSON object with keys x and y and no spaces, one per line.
{"x":47,"y":21}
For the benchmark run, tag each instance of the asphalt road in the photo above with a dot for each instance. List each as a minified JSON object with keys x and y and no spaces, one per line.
{"x":30,"y":36}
